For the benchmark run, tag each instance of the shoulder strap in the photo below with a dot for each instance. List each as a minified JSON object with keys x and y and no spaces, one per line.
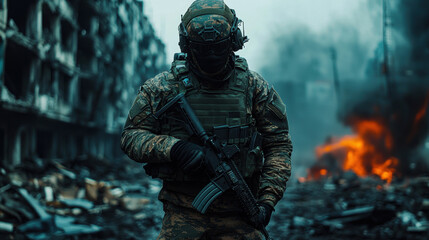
{"x":240,"y":80}
{"x":241,"y":63}
{"x":243,"y":73}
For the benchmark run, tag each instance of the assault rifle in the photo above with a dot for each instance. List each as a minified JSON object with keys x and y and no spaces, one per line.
{"x":222,"y":169}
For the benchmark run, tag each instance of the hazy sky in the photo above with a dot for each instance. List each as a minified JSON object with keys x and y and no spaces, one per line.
{"x":265,"y":19}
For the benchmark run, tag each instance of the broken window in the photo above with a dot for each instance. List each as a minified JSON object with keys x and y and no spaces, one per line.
{"x":48,"y":23}
{"x":87,"y":20}
{"x":105,"y":28}
{"x":18,"y":13}
{"x":86,"y":55}
{"x":25,"y":144}
{"x":64,"y":88}
{"x":84,"y":93}
{"x":47,"y":79}
{"x":61,"y":146}
{"x":44,"y":141}
{"x":80,"y":145}
{"x":17,"y":69}
{"x":86,"y":59}
{"x":67,"y":31}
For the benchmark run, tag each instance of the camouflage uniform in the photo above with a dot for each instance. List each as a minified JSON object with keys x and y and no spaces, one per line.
{"x":179,"y":222}
{"x":142,"y":141}
{"x":244,"y":98}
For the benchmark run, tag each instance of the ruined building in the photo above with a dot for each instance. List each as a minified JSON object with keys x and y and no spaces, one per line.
{"x":69,"y":70}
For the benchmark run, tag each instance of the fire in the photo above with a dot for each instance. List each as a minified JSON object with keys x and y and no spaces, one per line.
{"x":422,"y":111}
{"x":302,"y":179}
{"x":366,"y":153}
{"x":418,"y":118}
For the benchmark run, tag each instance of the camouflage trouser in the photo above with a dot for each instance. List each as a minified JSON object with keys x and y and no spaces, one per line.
{"x":186,"y":223}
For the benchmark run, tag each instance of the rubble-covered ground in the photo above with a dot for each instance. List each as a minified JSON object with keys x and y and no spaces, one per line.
{"x":353,"y":208}
{"x":86,"y":198}
{"x":89,"y":198}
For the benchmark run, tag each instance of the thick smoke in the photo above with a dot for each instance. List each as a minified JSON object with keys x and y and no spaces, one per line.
{"x":304,"y":56}
{"x":303,"y":74}
{"x":411,"y":20}
{"x":405,"y":109}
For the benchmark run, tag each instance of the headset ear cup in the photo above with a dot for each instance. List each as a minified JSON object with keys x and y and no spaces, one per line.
{"x":183,"y":38}
{"x":238,"y":41}
{"x":183,"y":43}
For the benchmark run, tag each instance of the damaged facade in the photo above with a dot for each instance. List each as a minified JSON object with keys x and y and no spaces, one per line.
{"x":69,"y":70}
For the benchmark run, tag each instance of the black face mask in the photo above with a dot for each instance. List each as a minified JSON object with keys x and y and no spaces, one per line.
{"x":212,"y":64}
{"x":211,"y":58}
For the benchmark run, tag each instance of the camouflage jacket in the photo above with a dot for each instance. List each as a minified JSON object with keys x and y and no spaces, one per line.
{"x":142,"y":142}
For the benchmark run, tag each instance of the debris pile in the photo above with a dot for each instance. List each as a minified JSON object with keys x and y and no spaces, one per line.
{"x":349,"y":207}
{"x":90,"y":198}
{"x":85,"y":198}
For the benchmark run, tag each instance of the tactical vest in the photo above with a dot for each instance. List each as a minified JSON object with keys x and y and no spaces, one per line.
{"x":227,"y":113}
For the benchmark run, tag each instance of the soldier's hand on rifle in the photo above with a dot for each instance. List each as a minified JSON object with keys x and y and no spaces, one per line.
{"x":264,"y":216}
{"x":187,"y":156}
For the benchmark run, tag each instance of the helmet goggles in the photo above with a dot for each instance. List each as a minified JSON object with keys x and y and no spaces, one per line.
{"x":221,"y":47}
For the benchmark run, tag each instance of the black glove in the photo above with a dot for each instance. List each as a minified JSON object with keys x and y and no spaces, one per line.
{"x":187,"y":156}
{"x":264,"y":215}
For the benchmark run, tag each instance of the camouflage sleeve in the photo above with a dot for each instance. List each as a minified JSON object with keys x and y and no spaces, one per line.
{"x":271,"y":121}
{"x":140,"y":140}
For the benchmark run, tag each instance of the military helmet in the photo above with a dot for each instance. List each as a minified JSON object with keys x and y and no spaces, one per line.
{"x":210,"y":22}
{"x":209,"y":33}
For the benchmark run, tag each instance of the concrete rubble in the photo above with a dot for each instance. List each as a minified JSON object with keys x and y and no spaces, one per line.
{"x":353,"y":208}
{"x":51,"y":204}
{"x":69,"y":72}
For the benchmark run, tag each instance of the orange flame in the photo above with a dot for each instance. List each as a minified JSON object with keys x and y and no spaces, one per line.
{"x":420,"y":115}
{"x":365,"y":153}
{"x":422,"y":111}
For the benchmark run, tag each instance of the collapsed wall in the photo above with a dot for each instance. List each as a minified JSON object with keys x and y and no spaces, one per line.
{"x":69,"y":71}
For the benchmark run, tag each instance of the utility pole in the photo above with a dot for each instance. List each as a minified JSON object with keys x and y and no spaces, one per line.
{"x":335,"y":72}
{"x":386,"y":38}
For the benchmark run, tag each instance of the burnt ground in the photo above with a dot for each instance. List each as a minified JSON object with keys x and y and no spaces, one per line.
{"x":88,"y":198}
{"x":353,"y":208}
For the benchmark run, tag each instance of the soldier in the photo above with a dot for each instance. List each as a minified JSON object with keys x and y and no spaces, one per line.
{"x":232,"y":102}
